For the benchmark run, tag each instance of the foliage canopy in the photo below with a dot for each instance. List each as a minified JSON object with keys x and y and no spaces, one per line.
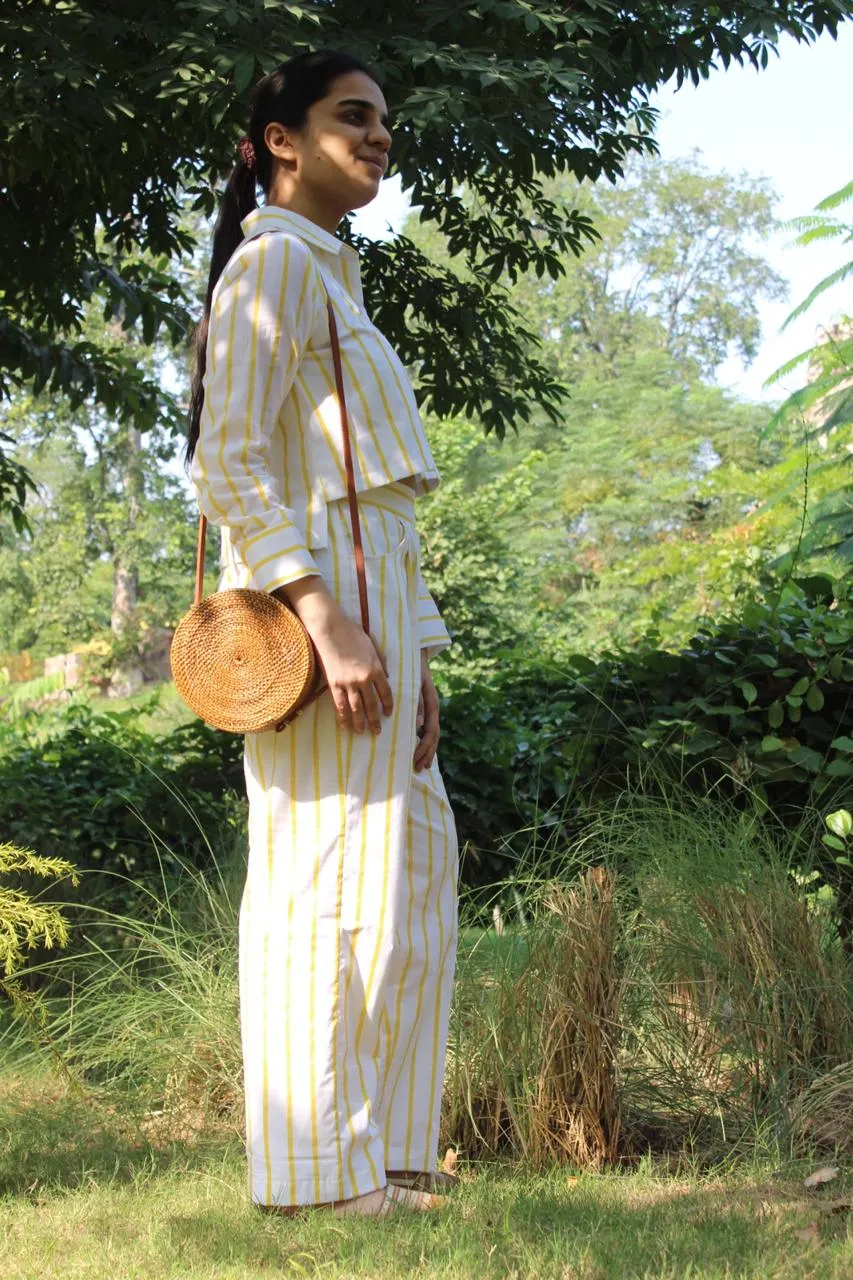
{"x":109,"y":112}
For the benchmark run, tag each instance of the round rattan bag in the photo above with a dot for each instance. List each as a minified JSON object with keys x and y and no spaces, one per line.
{"x":243,"y":661}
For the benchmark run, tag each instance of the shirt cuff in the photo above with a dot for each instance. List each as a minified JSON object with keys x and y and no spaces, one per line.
{"x":276,"y":557}
{"x":432,"y":633}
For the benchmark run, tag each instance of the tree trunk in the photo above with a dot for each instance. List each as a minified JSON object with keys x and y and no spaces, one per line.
{"x":127,"y":677}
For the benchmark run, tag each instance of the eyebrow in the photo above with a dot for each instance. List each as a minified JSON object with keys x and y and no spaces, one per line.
{"x":363,"y":102}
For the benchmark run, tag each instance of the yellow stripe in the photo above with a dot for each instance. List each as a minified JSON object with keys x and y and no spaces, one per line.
{"x":246,"y":1013}
{"x":303,"y":466}
{"x":335,"y":533}
{"x":229,"y":388}
{"x":207,"y":413}
{"x":399,"y":1014}
{"x":294,"y":846}
{"x":368,"y":416}
{"x":332,"y":389}
{"x":334,"y":450}
{"x":392,"y":360}
{"x":414,"y":1026}
{"x":395,"y":724}
{"x":343,"y":791}
{"x":389,"y":415}
{"x":443,"y":954}
{"x":315,"y":1141}
{"x":250,"y":389}
{"x":411,"y":1101}
{"x":285,"y":579}
{"x":276,"y":555}
{"x":265,"y":1106}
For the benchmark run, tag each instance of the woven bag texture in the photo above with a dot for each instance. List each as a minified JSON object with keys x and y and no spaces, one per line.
{"x":242,"y":660}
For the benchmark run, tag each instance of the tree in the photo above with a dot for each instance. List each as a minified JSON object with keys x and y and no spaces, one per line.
{"x":822,"y":410}
{"x":108,"y":552}
{"x":110,"y":111}
{"x":640,"y":491}
{"x":672,"y":270}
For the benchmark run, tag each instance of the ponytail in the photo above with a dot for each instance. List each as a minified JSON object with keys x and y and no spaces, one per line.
{"x":238,"y":200}
{"x":284,"y":96}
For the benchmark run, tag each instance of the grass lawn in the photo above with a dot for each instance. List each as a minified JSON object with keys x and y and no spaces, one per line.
{"x":83,"y":1195}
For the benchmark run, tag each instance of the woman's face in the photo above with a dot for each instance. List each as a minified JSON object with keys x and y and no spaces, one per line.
{"x":340,"y":155}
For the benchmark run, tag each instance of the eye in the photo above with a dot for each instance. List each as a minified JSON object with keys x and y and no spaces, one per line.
{"x":356,"y":116}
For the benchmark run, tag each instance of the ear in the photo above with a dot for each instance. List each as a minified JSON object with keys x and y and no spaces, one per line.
{"x":279,"y":141}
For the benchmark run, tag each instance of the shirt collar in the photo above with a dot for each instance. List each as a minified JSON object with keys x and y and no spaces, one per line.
{"x":274,"y":217}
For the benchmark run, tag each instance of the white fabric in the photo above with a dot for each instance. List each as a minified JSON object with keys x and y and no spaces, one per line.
{"x":348,"y":922}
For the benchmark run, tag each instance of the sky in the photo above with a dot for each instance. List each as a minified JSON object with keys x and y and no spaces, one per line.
{"x":790,"y":123}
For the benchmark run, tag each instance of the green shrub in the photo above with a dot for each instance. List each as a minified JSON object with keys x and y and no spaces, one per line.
{"x":105,"y":793}
{"x":759,"y":706}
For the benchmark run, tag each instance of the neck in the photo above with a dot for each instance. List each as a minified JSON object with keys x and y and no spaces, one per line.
{"x":295,"y":198}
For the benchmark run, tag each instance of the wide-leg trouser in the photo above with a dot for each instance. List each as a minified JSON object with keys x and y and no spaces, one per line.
{"x":348,"y":920}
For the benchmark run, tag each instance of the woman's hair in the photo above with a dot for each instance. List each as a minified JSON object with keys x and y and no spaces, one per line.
{"x":283,"y":97}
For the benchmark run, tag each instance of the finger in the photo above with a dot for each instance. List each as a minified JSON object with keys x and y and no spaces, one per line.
{"x":357,"y":710}
{"x":342,"y":708}
{"x":428,"y":744}
{"x":382,"y":655}
{"x":419,"y":718}
{"x":427,"y":747}
{"x":383,"y":688}
{"x":424,"y":754}
{"x":371,"y":707}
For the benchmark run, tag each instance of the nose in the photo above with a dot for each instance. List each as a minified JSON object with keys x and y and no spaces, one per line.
{"x":380,"y":136}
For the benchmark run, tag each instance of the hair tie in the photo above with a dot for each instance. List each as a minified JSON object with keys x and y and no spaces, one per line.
{"x":247,"y":152}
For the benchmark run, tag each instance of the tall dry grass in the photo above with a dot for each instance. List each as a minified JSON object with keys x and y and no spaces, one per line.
{"x":534,"y":1046}
{"x":707,"y":1003}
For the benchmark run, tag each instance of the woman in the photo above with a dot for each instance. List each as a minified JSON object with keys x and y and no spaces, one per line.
{"x":348,"y":921}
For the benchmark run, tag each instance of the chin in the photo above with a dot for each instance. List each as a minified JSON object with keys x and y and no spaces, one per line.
{"x":364,"y":196}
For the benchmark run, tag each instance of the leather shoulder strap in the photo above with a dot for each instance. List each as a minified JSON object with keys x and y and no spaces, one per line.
{"x":350,"y":470}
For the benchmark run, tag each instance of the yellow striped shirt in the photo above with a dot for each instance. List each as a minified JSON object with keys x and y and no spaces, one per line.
{"x":270,"y":455}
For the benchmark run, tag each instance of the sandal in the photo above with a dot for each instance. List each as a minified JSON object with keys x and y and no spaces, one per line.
{"x":425,"y":1182}
{"x":396,"y":1197}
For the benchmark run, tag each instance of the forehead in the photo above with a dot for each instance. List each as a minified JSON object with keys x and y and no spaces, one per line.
{"x":355,"y":84}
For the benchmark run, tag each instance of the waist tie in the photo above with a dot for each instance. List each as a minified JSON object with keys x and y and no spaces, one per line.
{"x":398,"y":499}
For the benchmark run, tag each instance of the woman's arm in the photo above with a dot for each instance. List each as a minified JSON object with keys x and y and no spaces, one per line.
{"x":264,"y":310}
{"x":427,"y":718}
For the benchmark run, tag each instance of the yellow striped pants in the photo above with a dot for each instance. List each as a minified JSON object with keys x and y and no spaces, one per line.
{"x":348,"y":920}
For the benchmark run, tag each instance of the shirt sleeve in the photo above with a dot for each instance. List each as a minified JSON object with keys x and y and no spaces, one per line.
{"x":264,"y":309}
{"x":432,"y":633}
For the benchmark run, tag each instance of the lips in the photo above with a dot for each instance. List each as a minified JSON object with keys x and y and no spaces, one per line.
{"x":376,"y":161}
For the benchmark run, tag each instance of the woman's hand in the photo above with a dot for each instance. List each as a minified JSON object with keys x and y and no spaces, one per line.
{"x":353,"y":663}
{"x":427,"y":717}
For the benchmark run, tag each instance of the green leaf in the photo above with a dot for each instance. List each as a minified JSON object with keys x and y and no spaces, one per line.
{"x":840,"y":822}
{"x":775,"y":714}
{"x":244,"y":71}
{"x":814,"y":698}
{"x":842,"y":744}
{"x":748,"y":690}
{"x":808,"y":757}
{"x":771,"y":743}
{"x":840,"y":769}
{"x":832,"y":842}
